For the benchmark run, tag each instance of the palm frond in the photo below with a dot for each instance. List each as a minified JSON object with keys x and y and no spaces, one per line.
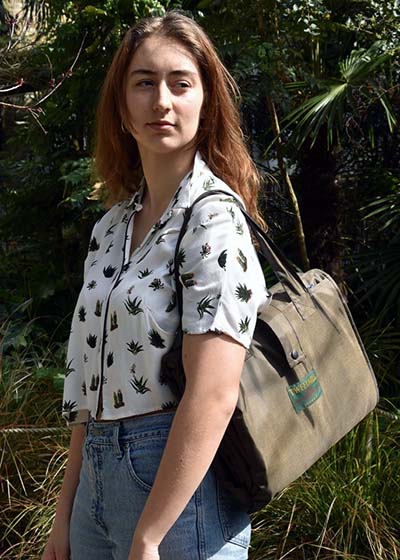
{"x":358,"y":67}
{"x":390,"y":115}
{"x":380,"y":271}
{"x":385,"y":211}
{"x":328,"y":107}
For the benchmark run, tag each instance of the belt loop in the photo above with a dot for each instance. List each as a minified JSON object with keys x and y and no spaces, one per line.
{"x":117,"y":447}
{"x":87,"y":426}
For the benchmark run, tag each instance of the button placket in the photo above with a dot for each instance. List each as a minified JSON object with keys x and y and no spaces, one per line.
{"x":148,"y":240}
{"x":125,"y":258}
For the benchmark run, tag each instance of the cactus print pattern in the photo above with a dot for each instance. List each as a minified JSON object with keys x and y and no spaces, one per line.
{"x":126,"y":315}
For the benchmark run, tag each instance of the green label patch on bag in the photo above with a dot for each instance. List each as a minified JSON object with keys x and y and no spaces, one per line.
{"x":305,"y":392}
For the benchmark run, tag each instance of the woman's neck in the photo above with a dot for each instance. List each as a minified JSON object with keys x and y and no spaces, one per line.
{"x":163,"y":173}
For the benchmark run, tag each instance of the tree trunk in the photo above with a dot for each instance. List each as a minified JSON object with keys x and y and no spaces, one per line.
{"x":318,"y":188}
{"x":305,"y":263}
{"x":273,"y":13}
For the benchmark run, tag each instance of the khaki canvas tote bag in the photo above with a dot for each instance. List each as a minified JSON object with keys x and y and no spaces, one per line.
{"x":306,"y":380}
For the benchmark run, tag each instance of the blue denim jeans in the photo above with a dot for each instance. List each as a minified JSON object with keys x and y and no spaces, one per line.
{"x":120,"y":462}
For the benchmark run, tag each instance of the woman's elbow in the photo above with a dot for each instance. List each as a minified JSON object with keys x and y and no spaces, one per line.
{"x":216,"y":400}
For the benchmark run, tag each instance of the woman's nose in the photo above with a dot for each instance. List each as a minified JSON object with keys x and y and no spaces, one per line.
{"x":162,"y":98}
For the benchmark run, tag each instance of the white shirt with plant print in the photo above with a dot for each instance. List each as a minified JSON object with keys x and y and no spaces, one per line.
{"x":126,"y":314}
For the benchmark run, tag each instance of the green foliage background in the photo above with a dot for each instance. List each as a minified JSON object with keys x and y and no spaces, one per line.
{"x":328,"y":73}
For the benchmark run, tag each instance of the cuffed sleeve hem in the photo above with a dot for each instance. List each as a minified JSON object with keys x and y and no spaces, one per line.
{"x":245,"y":342}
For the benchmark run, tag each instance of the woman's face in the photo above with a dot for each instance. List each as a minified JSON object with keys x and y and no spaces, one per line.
{"x":164,"y":96}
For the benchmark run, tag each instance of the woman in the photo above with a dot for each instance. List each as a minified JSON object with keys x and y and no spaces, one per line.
{"x":138,"y":483}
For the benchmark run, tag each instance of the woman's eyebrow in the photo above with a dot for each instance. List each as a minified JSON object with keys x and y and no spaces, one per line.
{"x":148,"y":72}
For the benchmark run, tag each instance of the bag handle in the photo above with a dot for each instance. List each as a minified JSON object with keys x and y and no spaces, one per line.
{"x":283,"y":269}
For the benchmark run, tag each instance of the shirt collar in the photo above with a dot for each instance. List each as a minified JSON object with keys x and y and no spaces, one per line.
{"x":136,"y":199}
{"x":181,"y":197}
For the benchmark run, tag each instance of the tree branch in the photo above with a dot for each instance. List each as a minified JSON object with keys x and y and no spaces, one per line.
{"x":35,"y":110}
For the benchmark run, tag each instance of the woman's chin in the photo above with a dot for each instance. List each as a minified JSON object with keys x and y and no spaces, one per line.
{"x":163,"y":147}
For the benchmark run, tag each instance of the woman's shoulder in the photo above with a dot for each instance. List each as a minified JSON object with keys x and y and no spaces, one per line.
{"x":224,"y":202}
{"x":207,"y":182}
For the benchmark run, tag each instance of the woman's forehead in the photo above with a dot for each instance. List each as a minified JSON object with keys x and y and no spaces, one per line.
{"x":160,"y":54}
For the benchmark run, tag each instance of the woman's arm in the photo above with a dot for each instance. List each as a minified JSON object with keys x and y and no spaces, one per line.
{"x":57,"y":547}
{"x":213,"y":365}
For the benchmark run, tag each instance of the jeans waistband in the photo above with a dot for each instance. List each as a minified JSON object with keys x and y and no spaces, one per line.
{"x":128,"y":427}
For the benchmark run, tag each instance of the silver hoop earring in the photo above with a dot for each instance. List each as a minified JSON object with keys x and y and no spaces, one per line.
{"x":124,"y":129}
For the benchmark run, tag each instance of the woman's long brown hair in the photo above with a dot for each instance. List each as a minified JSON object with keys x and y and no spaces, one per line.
{"x":219,"y":138}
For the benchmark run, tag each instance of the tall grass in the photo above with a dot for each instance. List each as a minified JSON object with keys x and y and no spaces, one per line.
{"x":347,"y":506}
{"x":31,"y":464}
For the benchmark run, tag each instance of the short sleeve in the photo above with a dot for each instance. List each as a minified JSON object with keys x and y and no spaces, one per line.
{"x":222,"y":280}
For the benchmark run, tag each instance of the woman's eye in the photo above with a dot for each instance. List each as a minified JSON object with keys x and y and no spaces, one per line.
{"x":151,"y":83}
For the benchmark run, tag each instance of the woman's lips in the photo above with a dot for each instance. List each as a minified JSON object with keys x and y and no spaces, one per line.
{"x":161,"y":125}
